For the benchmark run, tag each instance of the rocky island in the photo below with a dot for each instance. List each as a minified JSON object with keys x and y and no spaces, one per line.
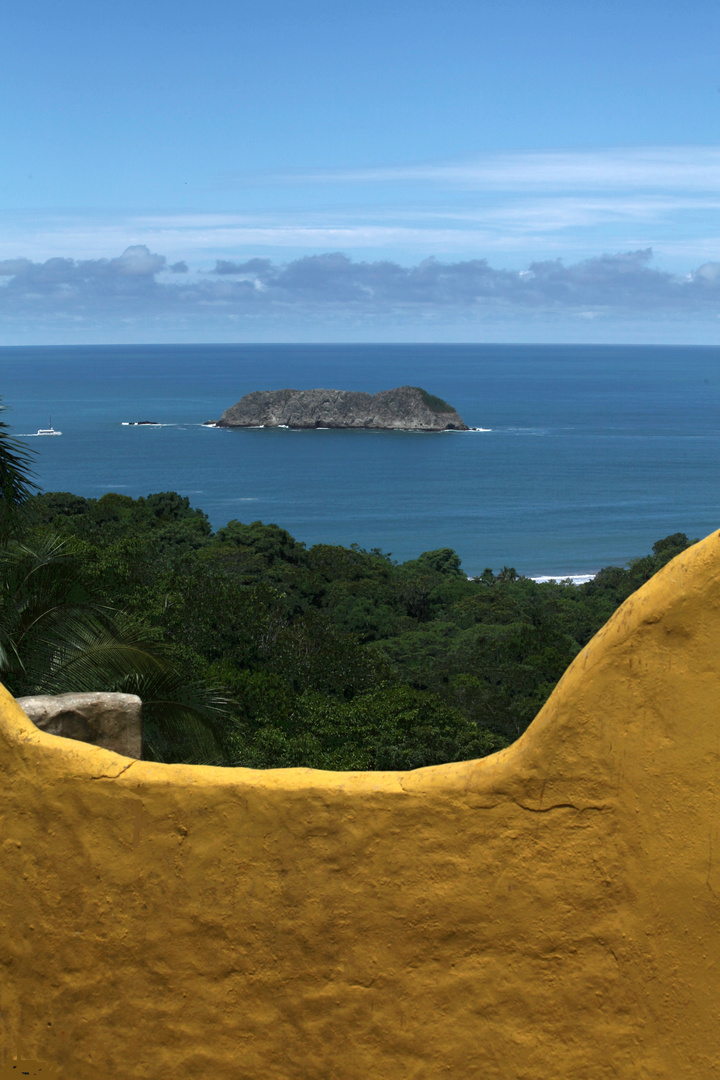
{"x":407,"y":408}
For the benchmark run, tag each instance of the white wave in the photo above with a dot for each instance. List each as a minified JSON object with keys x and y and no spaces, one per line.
{"x":576,"y":579}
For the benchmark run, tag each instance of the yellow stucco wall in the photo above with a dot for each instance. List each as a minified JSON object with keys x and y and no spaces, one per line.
{"x":549,"y":913}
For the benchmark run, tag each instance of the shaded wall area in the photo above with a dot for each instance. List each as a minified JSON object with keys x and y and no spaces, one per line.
{"x":551,"y":911}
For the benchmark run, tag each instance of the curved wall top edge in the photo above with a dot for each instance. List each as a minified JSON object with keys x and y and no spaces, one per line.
{"x":662,"y":596}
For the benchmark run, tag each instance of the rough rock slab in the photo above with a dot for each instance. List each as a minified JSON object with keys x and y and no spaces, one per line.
{"x":407,"y":408}
{"x":113,"y":721}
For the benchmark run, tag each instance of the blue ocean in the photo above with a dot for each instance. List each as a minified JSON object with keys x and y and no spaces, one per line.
{"x":592,"y":452}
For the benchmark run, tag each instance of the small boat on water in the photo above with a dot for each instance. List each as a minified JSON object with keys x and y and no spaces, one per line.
{"x":48,"y":430}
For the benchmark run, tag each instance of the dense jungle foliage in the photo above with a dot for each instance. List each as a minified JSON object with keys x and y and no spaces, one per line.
{"x":250,"y":648}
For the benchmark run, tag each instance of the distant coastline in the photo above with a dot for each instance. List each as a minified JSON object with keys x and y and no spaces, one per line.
{"x":576,"y":579}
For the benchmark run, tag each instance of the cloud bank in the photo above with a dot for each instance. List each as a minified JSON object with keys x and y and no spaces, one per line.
{"x":140,"y":283}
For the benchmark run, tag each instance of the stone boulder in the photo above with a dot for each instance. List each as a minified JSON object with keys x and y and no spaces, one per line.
{"x":113,"y":721}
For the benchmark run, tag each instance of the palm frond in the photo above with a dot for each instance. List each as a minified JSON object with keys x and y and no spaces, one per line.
{"x":52,"y":644}
{"x":16,"y":477}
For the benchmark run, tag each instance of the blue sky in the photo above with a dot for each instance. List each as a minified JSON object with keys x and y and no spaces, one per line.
{"x":388,"y":171}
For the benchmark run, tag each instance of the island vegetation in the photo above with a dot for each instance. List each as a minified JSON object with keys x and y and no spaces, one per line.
{"x":406,"y":408}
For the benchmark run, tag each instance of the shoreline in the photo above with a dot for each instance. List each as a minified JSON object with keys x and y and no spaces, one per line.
{"x":544,"y":579}
{"x":576,"y":579}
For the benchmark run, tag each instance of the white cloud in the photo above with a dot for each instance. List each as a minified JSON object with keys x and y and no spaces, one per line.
{"x":511,"y":209}
{"x":515,"y":228}
{"x":136,"y":284}
{"x":138,"y":261}
{"x":648,"y":168}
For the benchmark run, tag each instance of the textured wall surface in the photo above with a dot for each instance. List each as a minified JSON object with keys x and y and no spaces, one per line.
{"x":549,"y":913}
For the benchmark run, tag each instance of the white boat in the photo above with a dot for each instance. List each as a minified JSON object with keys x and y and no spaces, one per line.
{"x":48,"y":430}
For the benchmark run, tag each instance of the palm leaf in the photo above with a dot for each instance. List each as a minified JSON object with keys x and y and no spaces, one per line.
{"x":16,"y":483}
{"x":53,"y":643}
